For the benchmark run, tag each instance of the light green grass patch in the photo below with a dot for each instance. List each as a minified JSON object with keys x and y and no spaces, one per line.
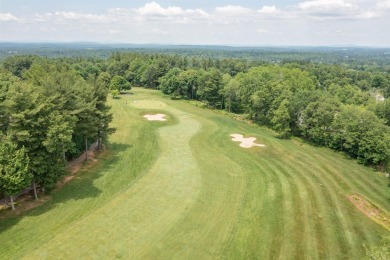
{"x":148,"y":104}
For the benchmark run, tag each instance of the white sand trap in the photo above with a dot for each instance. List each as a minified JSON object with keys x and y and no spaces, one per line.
{"x":245,"y":142}
{"x":157,"y":117}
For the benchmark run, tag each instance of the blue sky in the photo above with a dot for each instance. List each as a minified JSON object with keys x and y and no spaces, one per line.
{"x":254,"y":23}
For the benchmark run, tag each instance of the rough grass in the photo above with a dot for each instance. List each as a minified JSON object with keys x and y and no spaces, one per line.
{"x":182,"y":189}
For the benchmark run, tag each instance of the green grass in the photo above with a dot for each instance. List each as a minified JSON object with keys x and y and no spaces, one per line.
{"x":181,"y":189}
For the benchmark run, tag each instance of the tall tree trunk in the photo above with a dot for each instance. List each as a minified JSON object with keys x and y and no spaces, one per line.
{"x":12,"y":202}
{"x":35,"y":191}
{"x":86,"y":149}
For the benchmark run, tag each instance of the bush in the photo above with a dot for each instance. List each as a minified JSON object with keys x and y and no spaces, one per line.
{"x":114,"y":93}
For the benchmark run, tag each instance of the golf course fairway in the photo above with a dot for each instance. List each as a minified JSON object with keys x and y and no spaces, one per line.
{"x":182,"y":189}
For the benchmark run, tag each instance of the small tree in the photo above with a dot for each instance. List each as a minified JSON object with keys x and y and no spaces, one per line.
{"x":114,"y":93}
{"x":119,"y":83}
{"x":14,"y":169}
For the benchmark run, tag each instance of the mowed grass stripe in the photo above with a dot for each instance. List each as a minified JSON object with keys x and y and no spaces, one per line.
{"x":303,"y":245}
{"x":355,"y":231}
{"x":352,"y":231}
{"x":330,"y":187}
{"x":295,"y":217}
{"x":266,"y":237}
{"x":343,"y":202}
{"x":272,"y":161}
{"x":272,"y":209}
{"x":261,"y":201}
{"x":289,"y":171}
{"x":343,"y":243}
{"x":249,"y":212}
{"x":347,"y":210}
{"x":217,"y":211}
{"x":356,"y":177}
{"x":284,"y":215}
{"x":286,"y":219}
{"x":339,"y":215}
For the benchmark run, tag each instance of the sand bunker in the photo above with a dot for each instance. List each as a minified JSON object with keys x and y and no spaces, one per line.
{"x":245,"y":142}
{"x":157,"y":117}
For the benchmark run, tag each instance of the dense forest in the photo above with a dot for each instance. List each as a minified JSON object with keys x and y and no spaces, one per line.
{"x":48,"y":115}
{"x":53,"y":108}
{"x":342,"y":107}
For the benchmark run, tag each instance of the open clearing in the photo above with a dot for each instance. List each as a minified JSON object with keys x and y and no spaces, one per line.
{"x":182,"y":189}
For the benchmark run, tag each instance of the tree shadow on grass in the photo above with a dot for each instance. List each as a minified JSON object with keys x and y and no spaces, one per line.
{"x":81,"y":187}
{"x":127,"y":93}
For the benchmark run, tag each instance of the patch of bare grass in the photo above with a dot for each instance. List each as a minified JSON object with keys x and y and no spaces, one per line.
{"x":370,"y":210}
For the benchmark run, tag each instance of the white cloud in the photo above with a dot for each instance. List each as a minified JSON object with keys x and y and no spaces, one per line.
{"x":326,"y":5}
{"x":336,"y":9}
{"x":80,"y":16}
{"x":267,"y":32}
{"x":154,"y":8}
{"x":159,"y":31}
{"x":262,"y":31}
{"x":233,"y":10}
{"x":328,"y":8}
{"x":269,"y":10}
{"x":60,"y":16}
{"x":7,"y":17}
{"x":383,"y":5}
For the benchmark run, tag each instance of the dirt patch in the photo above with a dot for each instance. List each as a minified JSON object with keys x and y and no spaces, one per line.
{"x":157,"y":117}
{"x":245,"y":142}
{"x":75,"y":165}
{"x":23,"y":204}
{"x":370,"y":210}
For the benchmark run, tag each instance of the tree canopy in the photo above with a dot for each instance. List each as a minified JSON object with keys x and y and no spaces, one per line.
{"x":48,"y":112}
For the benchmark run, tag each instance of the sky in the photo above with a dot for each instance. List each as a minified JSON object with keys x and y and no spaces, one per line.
{"x":201,"y":22}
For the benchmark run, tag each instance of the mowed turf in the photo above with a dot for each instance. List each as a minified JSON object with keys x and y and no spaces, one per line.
{"x":181,"y":189}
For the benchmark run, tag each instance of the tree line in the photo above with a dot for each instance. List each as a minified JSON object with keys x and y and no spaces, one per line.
{"x":48,"y":115}
{"x":342,"y":107}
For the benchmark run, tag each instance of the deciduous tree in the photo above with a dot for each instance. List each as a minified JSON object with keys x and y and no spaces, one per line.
{"x":14,"y":169}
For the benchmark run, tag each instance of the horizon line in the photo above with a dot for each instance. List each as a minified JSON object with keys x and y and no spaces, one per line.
{"x":202,"y":44}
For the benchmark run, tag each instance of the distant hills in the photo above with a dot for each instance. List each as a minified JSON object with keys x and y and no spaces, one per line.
{"x":322,"y":54}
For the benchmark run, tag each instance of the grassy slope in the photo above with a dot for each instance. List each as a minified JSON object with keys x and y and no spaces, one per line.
{"x":185,"y":190}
